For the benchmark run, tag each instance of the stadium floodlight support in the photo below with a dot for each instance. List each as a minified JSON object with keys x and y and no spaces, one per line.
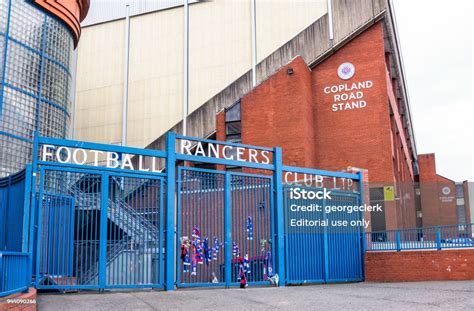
{"x":125,"y":78}
{"x":186,"y":66}
{"x":254,"y":42}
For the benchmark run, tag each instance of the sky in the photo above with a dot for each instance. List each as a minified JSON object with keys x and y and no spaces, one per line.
{"x":436,"y":38}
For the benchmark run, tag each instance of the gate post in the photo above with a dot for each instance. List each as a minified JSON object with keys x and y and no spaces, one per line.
{"x":227,"y":231}
{"x":278,"y":186}
{"x":170,"y":210}
{"x":28,"y":221}
{"x":104,"y":198}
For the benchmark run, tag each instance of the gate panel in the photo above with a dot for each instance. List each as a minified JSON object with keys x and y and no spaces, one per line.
{"x":304,"y":246}
{"x":200,"y":217}
{"x":201,"y":221}
{"x":322,"y":253}
{"x":134,"y":239}
{"x":68,"y":222}
{"x":77,"y":220}
{"x":252,"y":228}
{"x":344,"y":243}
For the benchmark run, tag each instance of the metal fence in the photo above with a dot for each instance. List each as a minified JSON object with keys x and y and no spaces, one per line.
{"x":93,"y":227}
{"x":14,"y":272}
{"x":439,"y":237}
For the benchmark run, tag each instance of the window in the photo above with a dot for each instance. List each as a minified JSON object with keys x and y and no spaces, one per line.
{"x":459,"y":191}
{"x":233,"y":128}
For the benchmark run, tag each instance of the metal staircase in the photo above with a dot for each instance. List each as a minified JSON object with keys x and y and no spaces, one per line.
{"x":140,"y":233}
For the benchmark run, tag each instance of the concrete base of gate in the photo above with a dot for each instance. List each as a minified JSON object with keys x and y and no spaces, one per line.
{"x":355,"y":296}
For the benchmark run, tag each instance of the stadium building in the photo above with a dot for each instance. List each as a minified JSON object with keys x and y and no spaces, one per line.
{"x":323,"y":79}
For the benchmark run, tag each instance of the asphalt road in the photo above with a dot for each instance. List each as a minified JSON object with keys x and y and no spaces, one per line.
{"x":356,"y":296}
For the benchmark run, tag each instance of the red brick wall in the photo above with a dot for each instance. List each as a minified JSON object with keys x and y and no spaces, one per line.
{"x":358,"y":137}
{"x":220,"y":131}
{"x":419,"y":266}
{"x":278,"y":113}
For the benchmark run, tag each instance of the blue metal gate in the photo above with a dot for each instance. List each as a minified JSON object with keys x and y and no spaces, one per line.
{"x":98,"y":229}
{"x":224,"y":221}
{"x":122,"y":224}
{"x":321,"y":251}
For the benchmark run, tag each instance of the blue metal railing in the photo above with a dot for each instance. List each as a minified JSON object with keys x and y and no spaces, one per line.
{"x":439,"y":237}
{"x":14,"y":270}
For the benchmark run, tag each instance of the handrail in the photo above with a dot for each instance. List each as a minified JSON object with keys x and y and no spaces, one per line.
{"x":437,"y":237}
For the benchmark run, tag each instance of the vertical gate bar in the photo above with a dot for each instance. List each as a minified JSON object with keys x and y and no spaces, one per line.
{"x":227,"y":229}
{"x":138,"y":240}
{"x":199,"y":223}
{"x":326,"y":248}
{"x":127,"y":244}
{"x":160,"y":244}
{"x":59,"y":216}
{"x":40,"y":227}
{"x":89,"y":241}
{"x":363,"y":246}
{"x":103,"y":229}
{"x":280,"y":251}
{"x":286,"y":228}
{"x":27,"y":219}
{"x":50,"y":225}
{"x":170,"y":209}
{"x":80,"y":246}
{"x":141,"y":215}
{"x":26,"y":209}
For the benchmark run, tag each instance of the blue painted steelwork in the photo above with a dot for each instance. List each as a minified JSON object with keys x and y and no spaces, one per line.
{"x":4,"y":60}
{"x":102,"y":147}
{"x":324,"y":253}
{"x":439,"y":237}
{"x":344,"y":243}
{"x":227,"y":218}
{"x":16,"y":137}
{"x":14,"y":275}
{"x":12,"y":191}
{"x":202,"y":212}
{"x":279,"y":215}
{"x":320,"y":252}
{"x":125,"y":235}
{"x":115,"y":239}
{"x":38,"y":52}
{"x":170,"y":209}
{"x":37,"y":97}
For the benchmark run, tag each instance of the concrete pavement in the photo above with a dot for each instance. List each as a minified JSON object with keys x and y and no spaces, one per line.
{"x":455,"y":295}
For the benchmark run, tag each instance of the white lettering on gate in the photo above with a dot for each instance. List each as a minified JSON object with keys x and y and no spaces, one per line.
{"x":84,"y":156}
{"x":227,"y":152}
{"x":112,"y":157}
{"x":80,"y":156}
